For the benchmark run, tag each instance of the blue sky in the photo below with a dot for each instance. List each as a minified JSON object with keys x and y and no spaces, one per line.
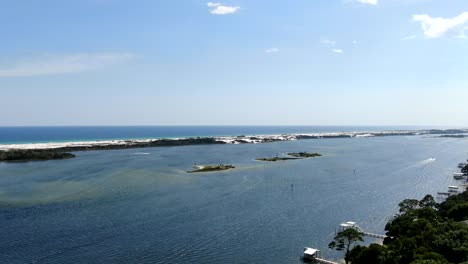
{"x":234,"y":62}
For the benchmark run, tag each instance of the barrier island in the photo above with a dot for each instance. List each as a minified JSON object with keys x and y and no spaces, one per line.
{"x":61,"y":150}
{"x":50,"y":151}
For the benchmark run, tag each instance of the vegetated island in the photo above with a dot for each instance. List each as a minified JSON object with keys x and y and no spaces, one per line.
{"x":61,"y":150}
{"x":304,"y":155}
{"x":19,"y":155}
{"x":293,"y":156}
{"x":276,"y":159}
{"x":454,"y":136}
{"x":208,"y":168}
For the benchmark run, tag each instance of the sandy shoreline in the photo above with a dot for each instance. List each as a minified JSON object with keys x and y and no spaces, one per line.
{"x":250,"y":139}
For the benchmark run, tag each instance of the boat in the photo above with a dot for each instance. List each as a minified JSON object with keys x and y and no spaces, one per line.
{"x":458,"y":176}
{"x":453,"y":188}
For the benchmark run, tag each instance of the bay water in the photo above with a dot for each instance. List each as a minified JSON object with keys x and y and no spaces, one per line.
{"x":141,"y":206}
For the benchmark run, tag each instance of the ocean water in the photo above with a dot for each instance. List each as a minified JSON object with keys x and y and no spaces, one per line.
{"x":140,"y":206}
{"x":14,"y":135}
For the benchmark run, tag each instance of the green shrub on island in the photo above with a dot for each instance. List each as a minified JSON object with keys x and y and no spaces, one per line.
{"x":424,"y":231}
{"x":304,"y":155}
{"x":184,"y":142}
{"x":293,"y":156}
{"x":208,"y":168}
{"x":276,"y":159}
{"x":33,"y":155}
{"x":153,"y":143}
{"x":453,"y":136}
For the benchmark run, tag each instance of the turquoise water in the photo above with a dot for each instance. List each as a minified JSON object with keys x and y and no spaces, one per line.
{"x":13,"y":135}
{"x":139,"y":206}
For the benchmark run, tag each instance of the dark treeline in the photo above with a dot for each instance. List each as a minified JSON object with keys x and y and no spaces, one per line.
{"x":149,"y":144}
{"x":423,"y":232}
{"x":63,"y":153}
{"x":31,"y":155}
{"x":465,"y":169}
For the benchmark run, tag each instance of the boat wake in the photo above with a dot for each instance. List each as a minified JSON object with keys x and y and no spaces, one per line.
{"x":141,"y":153}
{"x":418,"y":164}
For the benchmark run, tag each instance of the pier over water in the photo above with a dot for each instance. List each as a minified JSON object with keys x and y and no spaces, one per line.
{"x":354,"y":226}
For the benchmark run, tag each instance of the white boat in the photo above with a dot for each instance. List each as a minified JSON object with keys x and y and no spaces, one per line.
{"x":453,"y":188}
{"x":458,"y":175}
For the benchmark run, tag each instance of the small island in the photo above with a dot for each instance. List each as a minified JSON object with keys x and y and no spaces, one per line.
{"x":453,"y":136}
{"x":304,"y":155}
{"x":292,"y":156}
{"x":276,"y":159}
{"x":208,"y":168}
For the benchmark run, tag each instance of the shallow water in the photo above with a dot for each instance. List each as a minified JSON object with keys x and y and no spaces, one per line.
{"x":128,"y":207}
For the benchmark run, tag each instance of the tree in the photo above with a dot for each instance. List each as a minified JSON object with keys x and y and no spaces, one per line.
{"x":408,"y":205}
{"x":344,"y":240}
{"x":455,"y":207}
{"x":430,"y":258}
{"x":428,"y":201}
{"x":451,"y":241}
{"x":424,"y":232}
{"x":465,"y":169}
{"x":374,"y":253}
{"x":428,"y":261}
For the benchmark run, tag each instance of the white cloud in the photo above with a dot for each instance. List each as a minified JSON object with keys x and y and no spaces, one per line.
{"x":331,"y":44}
{"x":367,"y":2}
{"x":410,"y":37}
{"x":219,"y":9}
{"x":272,"y":50}
{"x":436,"y":27}
{"x":327,"y":42}
{"x":62,"y":64}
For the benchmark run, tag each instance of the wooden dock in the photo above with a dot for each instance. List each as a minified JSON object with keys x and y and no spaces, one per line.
{"x":354,"y":226}
{"x":373,"y":235}
{"x":315,"y":256}
{"x":324,"y":261}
